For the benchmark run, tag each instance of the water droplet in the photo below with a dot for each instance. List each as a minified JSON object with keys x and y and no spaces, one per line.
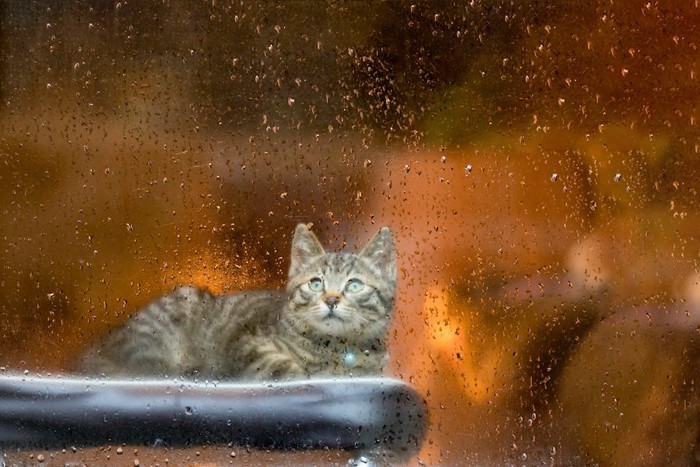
{"x":617,"y":177}
{"x":554,"y":177}
{"x":468,"y":168}
{"x":189,"y":410}
{"x":443,"y":159}
{"x":349,"y":359}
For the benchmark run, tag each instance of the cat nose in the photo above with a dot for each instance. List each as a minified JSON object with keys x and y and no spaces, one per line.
{"x":331,"y":300}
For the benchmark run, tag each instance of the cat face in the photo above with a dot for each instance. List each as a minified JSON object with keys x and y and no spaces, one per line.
{"x":342,"y":295}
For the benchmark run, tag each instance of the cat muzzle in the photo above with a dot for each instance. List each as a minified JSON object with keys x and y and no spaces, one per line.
{"x":331,"y":300}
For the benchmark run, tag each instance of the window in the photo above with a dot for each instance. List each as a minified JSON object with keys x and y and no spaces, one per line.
{"x":537,"y":164}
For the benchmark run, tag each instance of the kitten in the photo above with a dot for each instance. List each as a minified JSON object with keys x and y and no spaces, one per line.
{"x":331,"y":321}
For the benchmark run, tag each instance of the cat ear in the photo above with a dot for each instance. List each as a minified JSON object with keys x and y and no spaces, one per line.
{"x":382,"y":253}
{"x":305,"y":246}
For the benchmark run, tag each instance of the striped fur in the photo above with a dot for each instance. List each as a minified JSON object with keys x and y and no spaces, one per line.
{"x":331,"y":321}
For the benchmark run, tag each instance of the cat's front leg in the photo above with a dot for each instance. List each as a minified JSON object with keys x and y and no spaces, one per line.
{"x":266,"y":359}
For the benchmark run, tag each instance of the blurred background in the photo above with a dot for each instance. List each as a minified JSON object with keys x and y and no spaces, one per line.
{"x":538,"y":163}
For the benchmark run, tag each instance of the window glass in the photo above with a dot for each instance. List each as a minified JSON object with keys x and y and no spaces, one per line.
{"x":537,"y":165}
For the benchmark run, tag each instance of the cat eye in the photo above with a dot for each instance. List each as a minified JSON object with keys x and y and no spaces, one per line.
{"x":354,"y":286}
{"x":316,"y":284}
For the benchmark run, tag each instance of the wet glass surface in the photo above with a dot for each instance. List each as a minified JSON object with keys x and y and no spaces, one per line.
{"x":537,"y":164}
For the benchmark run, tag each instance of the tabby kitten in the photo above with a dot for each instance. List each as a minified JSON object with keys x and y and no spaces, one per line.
{"x":331,"y":321}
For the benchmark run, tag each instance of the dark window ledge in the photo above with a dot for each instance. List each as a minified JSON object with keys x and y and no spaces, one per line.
{"x":357,"y":413}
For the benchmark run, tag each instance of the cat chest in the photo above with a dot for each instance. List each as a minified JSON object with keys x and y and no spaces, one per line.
{"x":339,"y":360}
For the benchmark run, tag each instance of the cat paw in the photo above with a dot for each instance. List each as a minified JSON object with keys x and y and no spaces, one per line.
{"x":288,"y":371}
